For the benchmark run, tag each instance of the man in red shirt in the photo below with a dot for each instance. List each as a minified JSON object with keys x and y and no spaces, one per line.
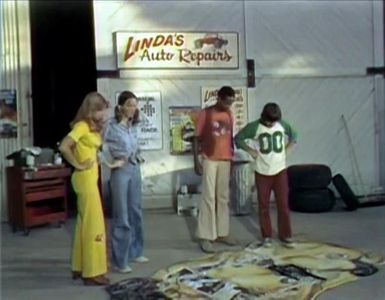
{"x":214,"y":131}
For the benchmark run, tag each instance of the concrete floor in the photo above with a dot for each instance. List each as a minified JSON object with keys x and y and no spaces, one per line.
{"x":37,"y":266}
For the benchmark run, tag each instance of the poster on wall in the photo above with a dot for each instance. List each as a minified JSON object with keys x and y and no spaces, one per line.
{"x":176,"y":50}
{"x":150,"y":127}
{"x":239,"y":107}
{"x":182,"y":128}
{"x":8,"y":113}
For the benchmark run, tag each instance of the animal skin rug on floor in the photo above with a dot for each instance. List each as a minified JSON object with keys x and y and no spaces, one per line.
{"x":301,"y":271}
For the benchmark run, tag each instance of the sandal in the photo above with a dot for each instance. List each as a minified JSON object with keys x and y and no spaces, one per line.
{"x":97,"y":280}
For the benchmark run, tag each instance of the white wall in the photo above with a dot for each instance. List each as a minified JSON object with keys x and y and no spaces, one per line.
{"x":314,"y":106}
{"x":310,"y":57}
{"x":15,"y":65}
{"x":160,"y":16}
{"x":162,"y":172}
{"x":310,"y":37}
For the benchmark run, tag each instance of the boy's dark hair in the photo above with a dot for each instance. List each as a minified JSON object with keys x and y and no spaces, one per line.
{"x":226,"y":91}
{"x":271,"y":113}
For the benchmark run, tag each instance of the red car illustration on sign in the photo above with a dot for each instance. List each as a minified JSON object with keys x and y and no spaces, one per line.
{"x":211,"y":39}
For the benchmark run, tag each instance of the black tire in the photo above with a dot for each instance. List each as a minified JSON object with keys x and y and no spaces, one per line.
{"x":312,"y":201}
{"x":346,"y":193}
{"x":309,"y":176}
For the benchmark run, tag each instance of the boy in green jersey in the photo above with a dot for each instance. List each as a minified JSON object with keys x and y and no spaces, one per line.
{"x":267,"y":141}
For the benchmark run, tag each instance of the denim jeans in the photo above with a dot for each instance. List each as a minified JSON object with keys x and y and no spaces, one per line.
{"x":127,"y":220}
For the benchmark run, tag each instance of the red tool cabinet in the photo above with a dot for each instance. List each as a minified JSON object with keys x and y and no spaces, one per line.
{"x":36,"y":197}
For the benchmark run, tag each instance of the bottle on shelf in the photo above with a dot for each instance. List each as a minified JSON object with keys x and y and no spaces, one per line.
{"x":57,"y":159}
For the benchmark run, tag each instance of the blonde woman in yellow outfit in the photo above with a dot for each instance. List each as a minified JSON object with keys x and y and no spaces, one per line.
{"x":80,"y":148}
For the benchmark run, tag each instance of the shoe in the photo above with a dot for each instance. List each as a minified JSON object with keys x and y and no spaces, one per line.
{"x":76,"y":275}
{"x":287,"y":242}
{"x":97,"y":280}
{"x":123,"y":270}
{"x":206,"y":246}
{"x":141,"y":259}
{"x":267,"y":242}
{"x":228,"y":240}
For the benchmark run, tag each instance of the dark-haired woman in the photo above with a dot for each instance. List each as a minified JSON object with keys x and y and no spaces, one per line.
{"x":126,"y":186}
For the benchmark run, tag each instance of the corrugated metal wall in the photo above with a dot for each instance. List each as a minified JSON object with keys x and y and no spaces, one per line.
{"x":310,"y":57}
{"x":164,"y":173}
{"x":15,"y":74}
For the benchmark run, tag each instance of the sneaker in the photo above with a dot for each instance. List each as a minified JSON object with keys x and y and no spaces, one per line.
{"x":123,"y":270}
{"x":228,"y":240}
{"x":287,"y":242}
{"x":206,"y":246}
{"x":267,"y":242}
{"x":141,"y":259}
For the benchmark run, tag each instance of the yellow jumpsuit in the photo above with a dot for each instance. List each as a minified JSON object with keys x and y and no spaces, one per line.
{"x":89,"y":254}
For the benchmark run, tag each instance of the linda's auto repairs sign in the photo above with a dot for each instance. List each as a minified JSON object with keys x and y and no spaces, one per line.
{"x":176,"y":50}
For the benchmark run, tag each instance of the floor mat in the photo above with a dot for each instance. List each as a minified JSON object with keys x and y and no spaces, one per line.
{"x":301,"y":271}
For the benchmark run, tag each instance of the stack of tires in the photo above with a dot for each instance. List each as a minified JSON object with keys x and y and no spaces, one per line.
{"x":308,"y":188}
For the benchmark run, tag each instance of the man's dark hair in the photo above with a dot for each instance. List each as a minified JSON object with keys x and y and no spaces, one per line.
{"x":271,"y":113}
{"x":226,"y":91}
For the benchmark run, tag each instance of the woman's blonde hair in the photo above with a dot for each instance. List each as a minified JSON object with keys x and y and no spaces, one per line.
{"x":92,"y":103}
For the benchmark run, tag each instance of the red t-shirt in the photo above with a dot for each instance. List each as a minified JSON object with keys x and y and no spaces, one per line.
{"x":215,"y":128}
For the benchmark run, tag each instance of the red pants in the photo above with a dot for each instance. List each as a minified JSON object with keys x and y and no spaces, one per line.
{"x":279,"y":184}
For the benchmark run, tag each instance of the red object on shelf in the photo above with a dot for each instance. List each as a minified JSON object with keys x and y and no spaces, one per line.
{"x":36,"y":197}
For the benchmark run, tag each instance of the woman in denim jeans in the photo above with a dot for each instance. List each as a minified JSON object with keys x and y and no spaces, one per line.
{"x":126,"y":186}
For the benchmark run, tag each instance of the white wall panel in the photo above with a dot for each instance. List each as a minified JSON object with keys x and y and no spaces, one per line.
{"x":164,"y":173}
{"x":111,"y":16}
{"x":15,"y":66}
{"x":310,"y":37}
{"x":314,"y":106}
{"x":310,"y":57}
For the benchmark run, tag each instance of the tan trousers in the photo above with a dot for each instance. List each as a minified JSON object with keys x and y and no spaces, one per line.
{"x":214,"y":215}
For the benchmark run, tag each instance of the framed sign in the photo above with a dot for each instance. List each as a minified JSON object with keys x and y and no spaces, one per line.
{"x":8,"y":113}
{"x":239,"y":107}
{"x":182,"y":128}
{"x":176,"y":50}
{"x":150,"y":127}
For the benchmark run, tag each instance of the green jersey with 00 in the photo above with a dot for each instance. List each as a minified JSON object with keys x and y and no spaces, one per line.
{"x":270,"y":142}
